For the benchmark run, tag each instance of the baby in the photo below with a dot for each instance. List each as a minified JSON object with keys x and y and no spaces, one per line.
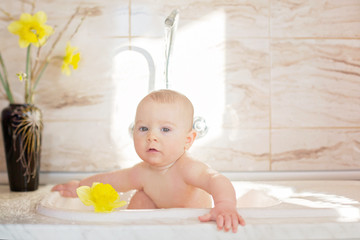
{"x":168,"y":177}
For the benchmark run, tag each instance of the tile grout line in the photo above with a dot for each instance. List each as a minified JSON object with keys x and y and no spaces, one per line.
{"x":270,"y":90}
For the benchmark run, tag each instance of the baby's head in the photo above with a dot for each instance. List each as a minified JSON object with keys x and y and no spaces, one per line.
{"x":181,"y":104}
{"x":163,"y":127}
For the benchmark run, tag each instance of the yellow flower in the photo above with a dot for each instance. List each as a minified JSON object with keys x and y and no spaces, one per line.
{"x":31,"y":29}
{"x":70,"y":59}
{"x":103,"y":197}
{"x":21,"y":76}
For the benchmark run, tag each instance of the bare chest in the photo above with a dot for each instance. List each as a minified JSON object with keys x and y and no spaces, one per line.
{"x":168,"y":190}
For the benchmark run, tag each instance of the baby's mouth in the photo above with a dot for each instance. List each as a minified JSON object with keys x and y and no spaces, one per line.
{"x":152,"y":150}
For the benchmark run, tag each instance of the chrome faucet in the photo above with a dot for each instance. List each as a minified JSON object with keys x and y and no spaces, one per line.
{"x":171,"y":22}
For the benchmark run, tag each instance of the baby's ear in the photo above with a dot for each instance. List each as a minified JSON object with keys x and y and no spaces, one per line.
{"x":190,"y":138}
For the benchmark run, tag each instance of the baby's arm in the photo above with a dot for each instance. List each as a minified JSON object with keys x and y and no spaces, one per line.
{"x":224,"y":212}
{"x":67,"y":189}
{"x":121,"y":180}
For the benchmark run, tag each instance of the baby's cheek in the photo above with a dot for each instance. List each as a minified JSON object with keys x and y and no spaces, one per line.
{"x":138,"y":147}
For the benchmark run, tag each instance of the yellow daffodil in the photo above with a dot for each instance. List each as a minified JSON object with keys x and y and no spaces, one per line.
{"x":31,"y":29}
{"x":71,"y":58}
{"x":103,"y":197}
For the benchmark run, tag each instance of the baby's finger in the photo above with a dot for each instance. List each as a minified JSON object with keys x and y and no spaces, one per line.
{"x":205,"y":218}
{"x":241,"y":221}
{"x":68,"y":194}
{"x":57,"y":187}
{"x":235,"y":223}
{"x":220,"y":221}
{"x":228,"y":223}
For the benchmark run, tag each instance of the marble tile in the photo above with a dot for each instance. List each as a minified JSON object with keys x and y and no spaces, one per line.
{"x":315,"y":149}
{"x":100,"y":14}
{"x":315,"y":83}
{"x":78,"y":109}
{"x":234,"y":150}
{"x":88,"y":39}
{"x":314,"y":19}
{"x":247,"y":74}
{"x":90,"y":86}
{"x":249,"y":67}
{"x":79,"y":146}
{"x":242,"y":18}
{"x":246,"y":19}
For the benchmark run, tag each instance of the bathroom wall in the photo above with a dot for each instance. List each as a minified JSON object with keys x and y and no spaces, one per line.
{"x":278,"y":82}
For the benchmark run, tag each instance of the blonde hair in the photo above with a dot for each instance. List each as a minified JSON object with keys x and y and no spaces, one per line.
{"x":171,"y":96}
{"x":168,"y":96}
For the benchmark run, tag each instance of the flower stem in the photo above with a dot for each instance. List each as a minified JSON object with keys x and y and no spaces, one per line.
{"x":79,"y":25}
{"x":40,"y":74}
{"x":28,"y":77}
{"x":62,"y":32}
{"x":8,"y":15}
{"x":47,"y":57}
{"x":4,"y":81}
{"x":37,"y":60}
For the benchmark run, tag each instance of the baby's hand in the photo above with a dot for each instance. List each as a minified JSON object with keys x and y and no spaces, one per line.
{"x":67,"y":189}
{"x":225,"y":215}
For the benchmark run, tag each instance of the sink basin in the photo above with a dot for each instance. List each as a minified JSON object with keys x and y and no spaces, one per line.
{"x":54,"y":205}
{"x":255,"y":200}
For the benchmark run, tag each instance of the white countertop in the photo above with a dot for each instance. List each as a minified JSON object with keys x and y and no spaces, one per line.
{"x":19,"y":220}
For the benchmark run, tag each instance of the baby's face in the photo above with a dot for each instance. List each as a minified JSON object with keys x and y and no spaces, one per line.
{"x":161,"y":132}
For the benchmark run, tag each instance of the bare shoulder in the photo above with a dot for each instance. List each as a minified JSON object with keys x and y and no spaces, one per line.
{"x":191,"y":169}
{"x":139,"y":167}
{"x":188,"y":162}
{"x":131,"y":170}
{"x":136,"y":174}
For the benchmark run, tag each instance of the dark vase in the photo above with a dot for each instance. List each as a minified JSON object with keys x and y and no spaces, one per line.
{"x":22,"y":127}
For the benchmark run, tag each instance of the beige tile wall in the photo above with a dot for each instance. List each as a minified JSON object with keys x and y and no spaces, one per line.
{"x":278,"y":82}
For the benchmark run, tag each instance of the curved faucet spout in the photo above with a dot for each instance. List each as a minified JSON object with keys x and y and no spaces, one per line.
{"x":149,"y":59}
{"x":151,"y":66}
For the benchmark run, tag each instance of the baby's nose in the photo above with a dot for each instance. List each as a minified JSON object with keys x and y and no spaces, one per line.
{"x":151,"y":136}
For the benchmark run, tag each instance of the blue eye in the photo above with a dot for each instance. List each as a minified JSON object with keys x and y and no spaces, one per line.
{"x":165,"y":129}
{"x":143,"y":129}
